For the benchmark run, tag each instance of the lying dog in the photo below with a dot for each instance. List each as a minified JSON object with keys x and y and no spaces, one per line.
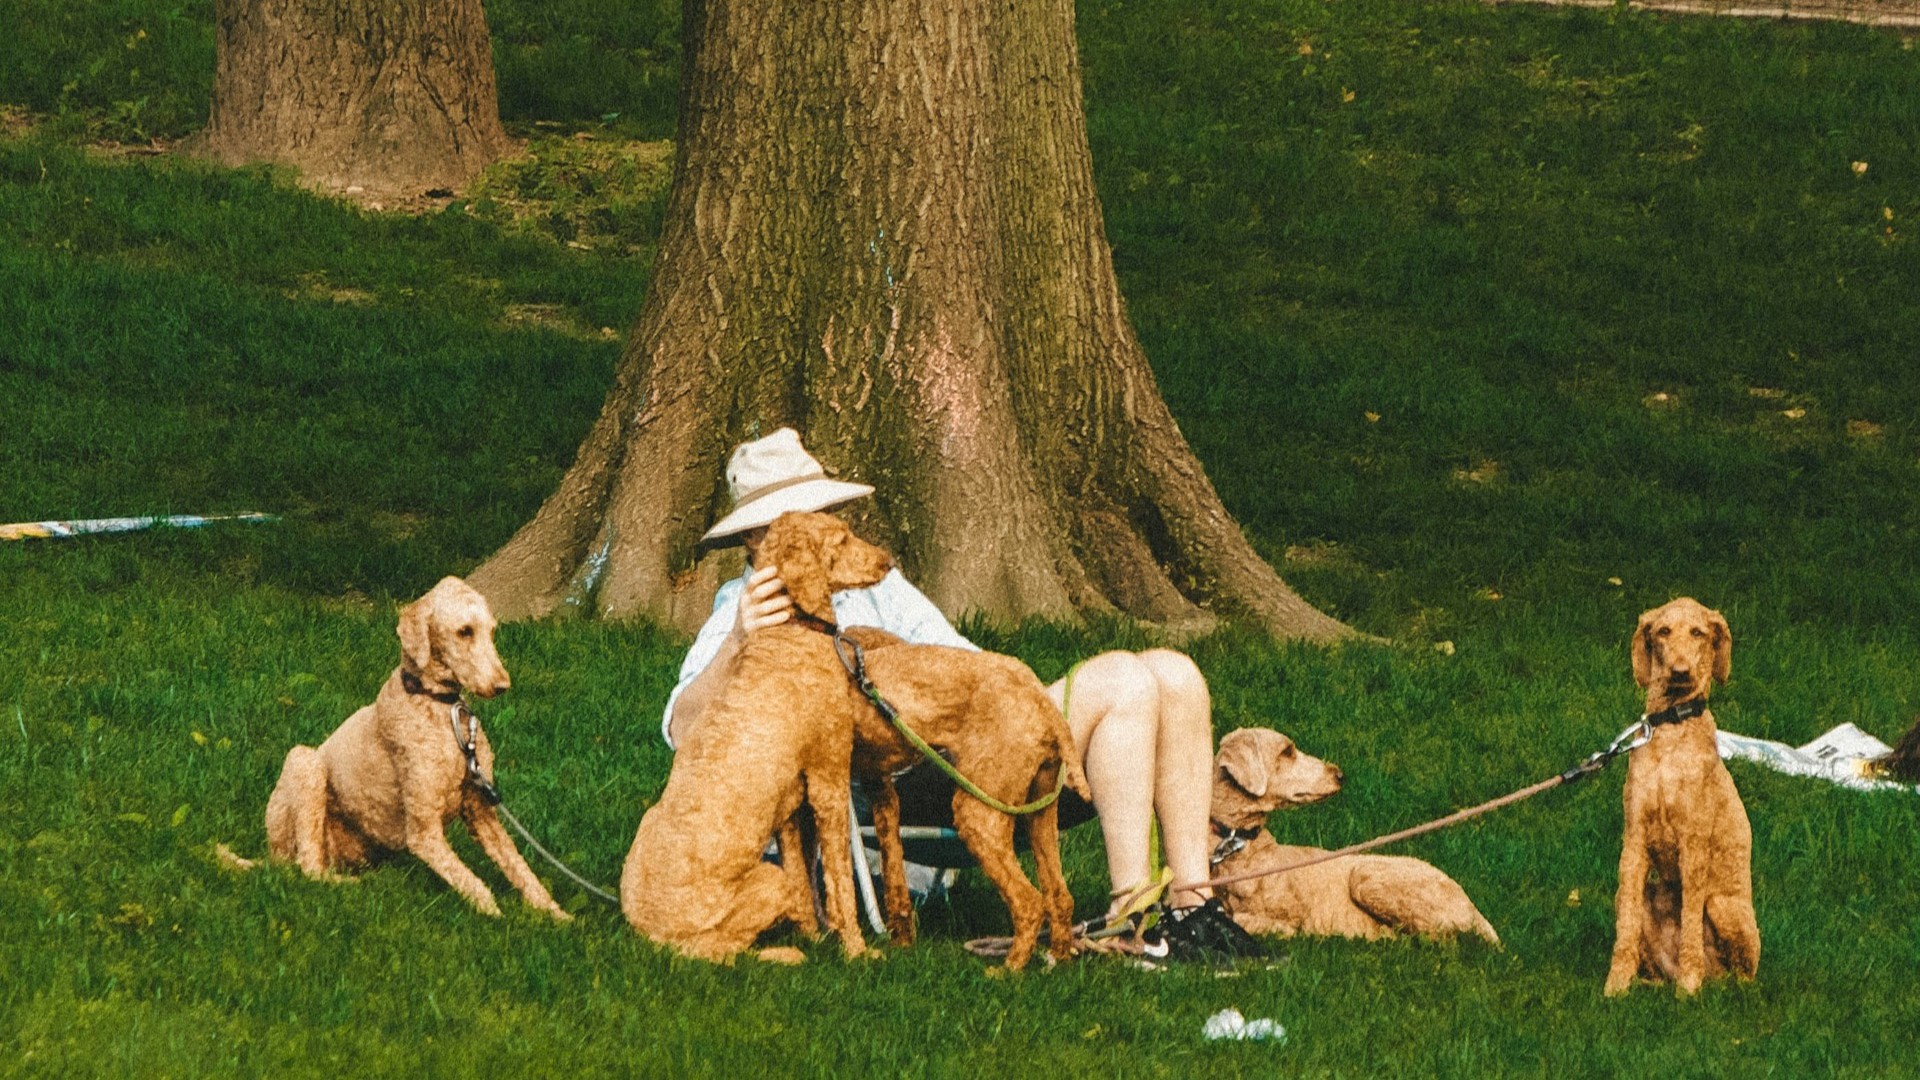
{"x":1361,"y":896}
{"x":395,"y":773}
{"x":987,"y":713}
{"x":1685,"y":905}
{"x":779,"y":734}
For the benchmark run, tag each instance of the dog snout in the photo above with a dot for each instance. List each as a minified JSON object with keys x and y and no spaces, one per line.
{"x":499,"y":684}
{"x":1338,"y":776}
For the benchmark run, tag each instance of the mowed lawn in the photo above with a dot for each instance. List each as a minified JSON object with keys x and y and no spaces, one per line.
{"x":1495,"y":327}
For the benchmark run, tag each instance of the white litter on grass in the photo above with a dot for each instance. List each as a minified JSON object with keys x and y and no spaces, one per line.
{"x":1839,"y":756}
{"x":1229,"y":1024}
{"x":55,"y":530}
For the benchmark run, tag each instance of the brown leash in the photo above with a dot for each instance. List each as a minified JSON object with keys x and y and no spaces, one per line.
{"x":1631,"y":739}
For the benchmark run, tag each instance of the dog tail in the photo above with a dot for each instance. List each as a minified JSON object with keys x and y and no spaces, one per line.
{"x":230,"y":859}
{"x":1069,"y":755}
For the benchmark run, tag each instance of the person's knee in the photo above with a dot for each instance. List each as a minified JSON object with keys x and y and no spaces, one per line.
{"x":1175,"y":673}
{"x":1121,"y":684}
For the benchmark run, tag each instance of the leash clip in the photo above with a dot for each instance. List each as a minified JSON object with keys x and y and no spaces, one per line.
{"x":1637,"y":735}
{"x":469,"y":746}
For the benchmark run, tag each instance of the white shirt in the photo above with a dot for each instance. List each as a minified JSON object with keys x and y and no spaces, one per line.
{"x":893,"y":605}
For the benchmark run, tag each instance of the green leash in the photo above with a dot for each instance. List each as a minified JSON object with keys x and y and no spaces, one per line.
{"x":857,"y":668}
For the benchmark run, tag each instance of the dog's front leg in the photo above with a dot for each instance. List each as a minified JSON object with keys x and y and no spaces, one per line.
{"x":427,"y":840}
{"x":485,"y":826}
{"x":893,"y":861}
{"x":1630,"y":912}
{"x":793,"y":861}
{"x":828,"y":793}
{"x":1695,"y":873}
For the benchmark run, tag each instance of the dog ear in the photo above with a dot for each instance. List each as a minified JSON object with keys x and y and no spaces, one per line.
{"x":795,"y":550}
{"x":416,"y":637}
{"x":852,"y":562}
{"x":1240,"y":758}
{"x":1722,"y":647}
{"x":1643,"y":650}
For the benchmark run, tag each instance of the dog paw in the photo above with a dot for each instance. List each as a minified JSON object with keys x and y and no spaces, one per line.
{"x":560,"y":914}
{"x":781,"y":954}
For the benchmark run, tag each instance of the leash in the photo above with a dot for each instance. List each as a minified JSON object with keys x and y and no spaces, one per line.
{"x":857,"y":670}
{"x":490,"y":795}
{"x":1634,"y":737}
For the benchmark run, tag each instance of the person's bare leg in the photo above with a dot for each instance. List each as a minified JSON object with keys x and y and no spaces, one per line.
{"x":1114,"y":713}
{"x":1183,"y":770}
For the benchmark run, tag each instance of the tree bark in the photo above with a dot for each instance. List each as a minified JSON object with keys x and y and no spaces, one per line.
{"x":390,"y":97}
{"x":883,"y":231}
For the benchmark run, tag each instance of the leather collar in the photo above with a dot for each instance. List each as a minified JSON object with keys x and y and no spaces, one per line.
{"x":1676,"y":714}
{"x":411,"y":684}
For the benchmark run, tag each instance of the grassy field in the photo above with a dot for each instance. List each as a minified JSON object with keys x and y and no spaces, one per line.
{"x":1495,"y":327}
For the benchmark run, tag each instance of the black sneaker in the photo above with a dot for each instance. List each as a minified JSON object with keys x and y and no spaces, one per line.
{"x":1205,"y":933}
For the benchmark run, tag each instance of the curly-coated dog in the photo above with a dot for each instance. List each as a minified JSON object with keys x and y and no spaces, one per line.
{"x":1684,"y":910}
{"x":394,"y":774}
{"x":986,"y":713}
{"x":1258,"y":771}
{"x":779,"y":734}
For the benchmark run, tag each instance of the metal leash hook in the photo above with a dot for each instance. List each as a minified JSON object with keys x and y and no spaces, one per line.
{"x":1636,"y":735}
{"x":469,"y":746}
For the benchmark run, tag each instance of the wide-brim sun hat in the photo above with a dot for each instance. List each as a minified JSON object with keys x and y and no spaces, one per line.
{"x":773,"y":475}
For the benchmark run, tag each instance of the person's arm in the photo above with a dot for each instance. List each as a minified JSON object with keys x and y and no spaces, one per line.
{"x":738,"y":610}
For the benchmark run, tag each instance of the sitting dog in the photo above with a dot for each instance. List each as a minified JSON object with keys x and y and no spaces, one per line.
{"x":1361,"y":896}
{"x":987,"y":713}
{"x":779,"y":734}
{"x":1685,"y":905}
{"x":393,"y":775}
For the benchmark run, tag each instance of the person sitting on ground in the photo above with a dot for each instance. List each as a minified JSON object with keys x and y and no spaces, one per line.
{"x":1142,"y":722}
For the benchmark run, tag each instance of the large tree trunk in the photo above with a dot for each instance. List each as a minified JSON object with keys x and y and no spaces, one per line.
{"x":391,"y":97}
{"x":883,"y":231}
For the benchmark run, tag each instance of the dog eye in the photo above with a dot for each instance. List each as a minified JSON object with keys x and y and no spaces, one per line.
{"x":465,"y":631}
{"x":1665,"y":631}
{"x":1288,"y":752}
{"x":1697,"y":632}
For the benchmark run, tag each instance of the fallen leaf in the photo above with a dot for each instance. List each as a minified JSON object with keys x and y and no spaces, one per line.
{"x":1346,"y":95}
{"x":1573,"y":898}
{"x":1859,"y":168}
{"x":1614,"y":581}
{"x":1444,"y":648}
{"x":1793,"y":414}
{"x":1863,"y":429}
{"x":1306,"y":48}
{"x":1771,"y":393}
{"x":1372,"y":417}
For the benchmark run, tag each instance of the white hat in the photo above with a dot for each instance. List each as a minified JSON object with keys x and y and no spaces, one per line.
{"x":773,"y":475}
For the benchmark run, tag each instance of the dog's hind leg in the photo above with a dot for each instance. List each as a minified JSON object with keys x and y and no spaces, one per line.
{"x":989,"y":835}
{"x":297,"y":813}
{"x":1043,"y":835}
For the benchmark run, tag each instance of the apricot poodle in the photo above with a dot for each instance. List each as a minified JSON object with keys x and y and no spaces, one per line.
{"x":986,"y":713}
{"x":394,"y":774}
{"x":779,"y":735}
{"x":1360,"y":896}
{"x":1684,"y":911}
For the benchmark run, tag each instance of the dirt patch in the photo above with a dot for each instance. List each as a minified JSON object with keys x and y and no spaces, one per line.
{"x":1900,"y":14}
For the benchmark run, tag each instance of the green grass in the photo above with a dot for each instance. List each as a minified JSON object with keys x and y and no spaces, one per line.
{"x":1523,"y":227}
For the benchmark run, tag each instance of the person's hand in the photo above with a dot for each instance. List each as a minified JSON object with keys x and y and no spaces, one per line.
{"x":764,"y":602}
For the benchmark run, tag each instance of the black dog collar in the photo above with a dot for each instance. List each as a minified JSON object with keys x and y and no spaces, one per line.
{"x":1680,"y":713}
{"x":1231,"y":842}
{"x":411,"y":684}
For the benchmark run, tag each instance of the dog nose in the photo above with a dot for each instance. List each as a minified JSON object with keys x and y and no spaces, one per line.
{"x":1338,"y":776}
